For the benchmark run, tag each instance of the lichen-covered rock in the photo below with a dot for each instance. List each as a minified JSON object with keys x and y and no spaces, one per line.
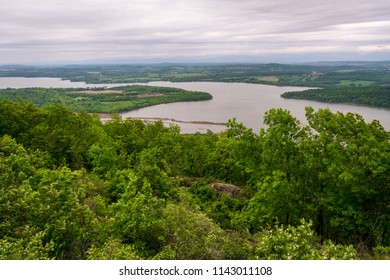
{"x":222,"y":188}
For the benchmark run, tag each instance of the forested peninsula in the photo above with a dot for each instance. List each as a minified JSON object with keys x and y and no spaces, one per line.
{"x":103,"y":100}
{"x":378,"y":96}
{"x":72,"y":187}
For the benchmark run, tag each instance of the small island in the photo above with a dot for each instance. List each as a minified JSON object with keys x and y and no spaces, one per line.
{"x":104,"y":100}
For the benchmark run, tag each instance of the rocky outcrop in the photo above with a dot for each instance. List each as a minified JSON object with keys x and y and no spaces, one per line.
{"x":222,"y":188}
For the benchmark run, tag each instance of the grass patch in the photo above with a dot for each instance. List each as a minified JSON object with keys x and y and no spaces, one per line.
{"x":359,"y":83}
{"x":272,"y":79}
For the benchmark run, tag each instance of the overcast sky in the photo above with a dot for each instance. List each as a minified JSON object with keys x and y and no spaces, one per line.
{"x":82,"y":31}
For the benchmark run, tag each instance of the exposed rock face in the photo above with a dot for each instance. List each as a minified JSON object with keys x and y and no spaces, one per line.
{"x":222,"y":188}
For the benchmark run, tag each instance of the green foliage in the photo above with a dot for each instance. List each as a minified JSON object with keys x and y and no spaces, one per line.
{"x":72,"y":187}
{"x":350,"y":172}
{"x":104,"y":156}
{"x":136,"y":219}
{"x":62,"y":207}
{"x":223,"y":211}
{"x":28,"y":246}
{"x":192,"y":235}
{"x":113,"y":249}
{"x":118,"y":181}
{"x":334,"y":174}
{"x":221,"y":161}
{"x":369,"y":95}
{"x":17,"y":118}
{"x":382,"y":252}
{"x":100,"y":100}
{"x":298,"y":243}
{"x":65,"y":135}
{"x":277,"y":178}
{"x":264,"y":208}
{"x":203,"y":193}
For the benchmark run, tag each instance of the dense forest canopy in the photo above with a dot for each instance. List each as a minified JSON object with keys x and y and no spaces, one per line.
{"x":72,"y":187}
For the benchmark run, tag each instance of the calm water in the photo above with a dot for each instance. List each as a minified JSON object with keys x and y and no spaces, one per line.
{"x":246,"y":102}
{"x":17,"y":82}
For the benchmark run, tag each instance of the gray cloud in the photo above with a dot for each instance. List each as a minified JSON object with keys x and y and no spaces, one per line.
{"x":47,"y":31}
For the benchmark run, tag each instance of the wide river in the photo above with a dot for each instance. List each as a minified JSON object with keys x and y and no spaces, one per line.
{"x":245,"y":102}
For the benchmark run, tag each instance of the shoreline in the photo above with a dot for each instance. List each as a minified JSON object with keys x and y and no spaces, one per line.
{"x":107,"y":117}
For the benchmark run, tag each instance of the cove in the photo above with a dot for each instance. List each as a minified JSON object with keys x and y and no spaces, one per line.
{"x":245,"y":102}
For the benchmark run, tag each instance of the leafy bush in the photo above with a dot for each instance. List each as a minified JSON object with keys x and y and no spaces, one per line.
{"x":298,"y":243}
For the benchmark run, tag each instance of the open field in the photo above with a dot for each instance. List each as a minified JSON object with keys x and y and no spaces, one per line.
{"x":356,"y":83}
{"x":272,"y":79}
{"x":106,"y":91}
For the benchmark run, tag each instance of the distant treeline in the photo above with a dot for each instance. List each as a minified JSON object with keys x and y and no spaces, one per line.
{"x":101,"y":100}
{"x":378,"y":96}
{"x":316,"y":75}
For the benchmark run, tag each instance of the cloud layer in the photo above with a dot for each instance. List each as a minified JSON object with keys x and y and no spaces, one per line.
{"x":52,"y":31}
